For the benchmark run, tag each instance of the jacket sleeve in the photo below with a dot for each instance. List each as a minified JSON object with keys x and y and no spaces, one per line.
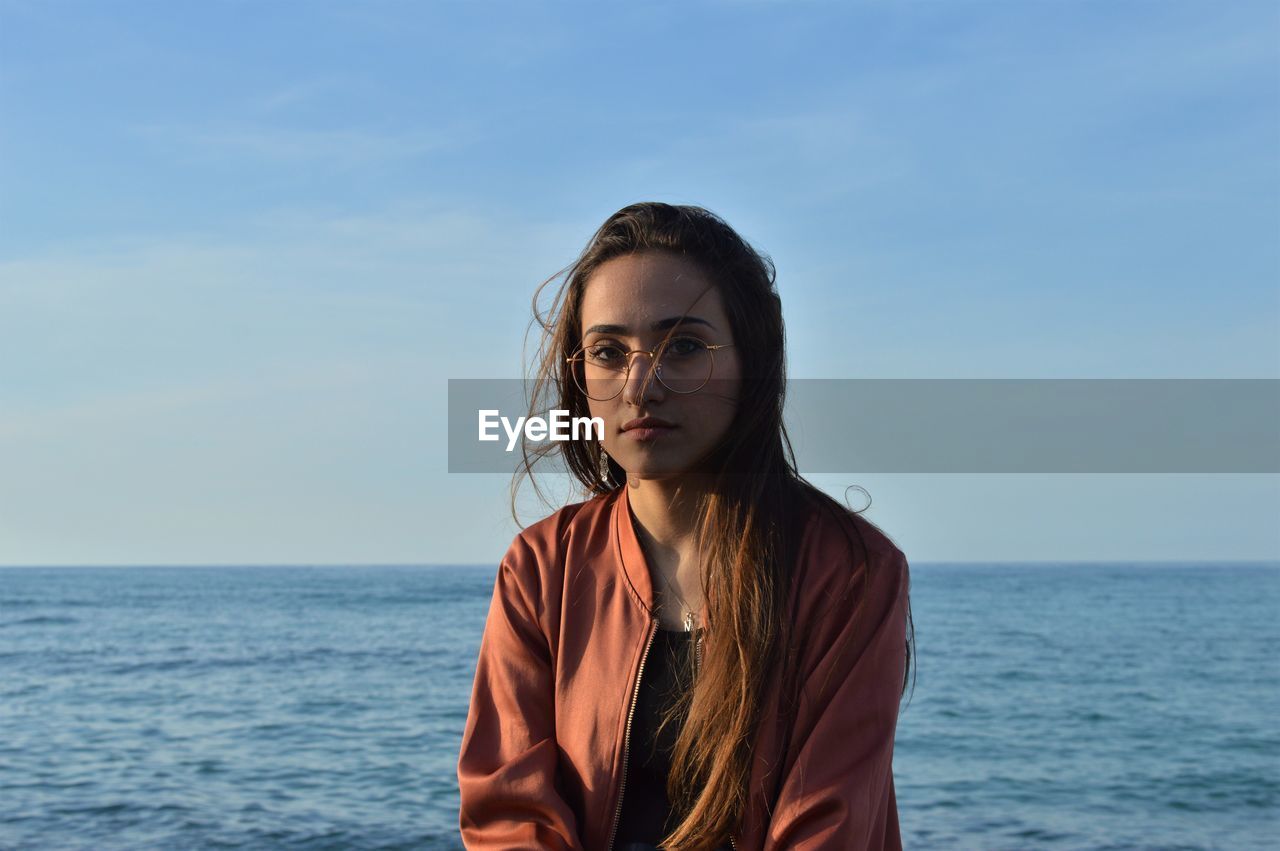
{"x":837,"y":790}
{"x":507,"y":765}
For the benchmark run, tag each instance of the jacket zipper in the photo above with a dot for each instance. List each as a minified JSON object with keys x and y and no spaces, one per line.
{"x":697,"y":646}
{"x":626,"y":738}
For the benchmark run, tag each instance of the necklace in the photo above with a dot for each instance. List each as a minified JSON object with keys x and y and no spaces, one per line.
{"x":684,"y":607}
{"x":689,"y":615}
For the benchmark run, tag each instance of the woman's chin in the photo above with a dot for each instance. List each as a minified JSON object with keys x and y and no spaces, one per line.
{"x":656,"y":463}
{"x":656,"y":472}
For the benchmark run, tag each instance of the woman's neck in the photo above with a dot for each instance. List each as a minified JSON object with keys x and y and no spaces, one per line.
{"x":665,"y":525}
{"x":667,"y":511}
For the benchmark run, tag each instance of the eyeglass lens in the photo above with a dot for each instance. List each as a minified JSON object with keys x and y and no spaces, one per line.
{"x":683,"y":365}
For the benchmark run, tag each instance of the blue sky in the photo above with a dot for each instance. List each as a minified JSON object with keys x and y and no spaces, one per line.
{"x":244,"y":245}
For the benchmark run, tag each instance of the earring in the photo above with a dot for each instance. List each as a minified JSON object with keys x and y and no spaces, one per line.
{"x":605,"y":473}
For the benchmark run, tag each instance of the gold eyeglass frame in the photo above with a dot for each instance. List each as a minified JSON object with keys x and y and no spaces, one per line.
{"x":653,"y":355}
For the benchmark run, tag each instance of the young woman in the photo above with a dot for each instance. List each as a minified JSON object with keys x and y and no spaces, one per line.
{"x":709,"y":652}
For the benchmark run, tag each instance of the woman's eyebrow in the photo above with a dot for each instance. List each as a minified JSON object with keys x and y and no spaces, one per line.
{"x":660,"y":325}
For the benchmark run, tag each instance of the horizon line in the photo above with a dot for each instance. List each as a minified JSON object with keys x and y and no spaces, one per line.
{"x":1041,"y":561}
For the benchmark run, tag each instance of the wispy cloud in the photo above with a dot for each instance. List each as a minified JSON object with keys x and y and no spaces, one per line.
{"x":343,"y":147}
{"x":114,"y":319}
{"x":303,"y":92}
{"x":312,"y":378}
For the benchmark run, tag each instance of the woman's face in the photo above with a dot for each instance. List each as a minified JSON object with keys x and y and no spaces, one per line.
{"x":632,"y":302}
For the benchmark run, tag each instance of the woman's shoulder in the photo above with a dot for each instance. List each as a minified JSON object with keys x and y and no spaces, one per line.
{"x":535,"y":564}
{"x":839,"y":549}
{"x":551,"y":536}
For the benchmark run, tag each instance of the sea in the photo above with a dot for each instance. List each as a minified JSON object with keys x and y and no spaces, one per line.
{"x":1054,"y":705}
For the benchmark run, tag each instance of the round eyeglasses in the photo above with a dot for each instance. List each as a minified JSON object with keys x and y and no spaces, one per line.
{"x":682,"y":365}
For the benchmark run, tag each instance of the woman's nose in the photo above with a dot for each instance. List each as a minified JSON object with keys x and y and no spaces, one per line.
{"x":642,"y":381}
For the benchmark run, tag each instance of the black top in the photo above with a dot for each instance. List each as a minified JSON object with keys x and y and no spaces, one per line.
{"x":646,"y":813}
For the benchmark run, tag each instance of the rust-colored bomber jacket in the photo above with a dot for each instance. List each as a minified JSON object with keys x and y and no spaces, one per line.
{"x":542,"y":762}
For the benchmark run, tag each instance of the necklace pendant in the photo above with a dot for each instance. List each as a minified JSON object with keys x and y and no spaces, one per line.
{"x":688,"y":621}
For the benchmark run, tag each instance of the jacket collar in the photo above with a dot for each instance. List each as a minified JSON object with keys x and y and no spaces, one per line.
{"x":635,"y":566}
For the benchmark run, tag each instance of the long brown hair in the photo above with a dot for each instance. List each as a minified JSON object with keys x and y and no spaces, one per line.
{"x":748,"y":524}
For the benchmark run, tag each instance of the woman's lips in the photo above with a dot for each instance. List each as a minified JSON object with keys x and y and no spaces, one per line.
{"x":648,"y":433}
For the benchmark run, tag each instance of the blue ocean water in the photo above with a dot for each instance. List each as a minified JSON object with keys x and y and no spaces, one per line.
{"x":1059,"y":706}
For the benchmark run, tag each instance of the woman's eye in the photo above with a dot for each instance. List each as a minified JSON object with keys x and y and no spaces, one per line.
{"x":686,"y":346}
{"x":603,"y":353}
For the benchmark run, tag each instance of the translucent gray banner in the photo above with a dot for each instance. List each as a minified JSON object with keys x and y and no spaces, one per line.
{"x":926,"y":425}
